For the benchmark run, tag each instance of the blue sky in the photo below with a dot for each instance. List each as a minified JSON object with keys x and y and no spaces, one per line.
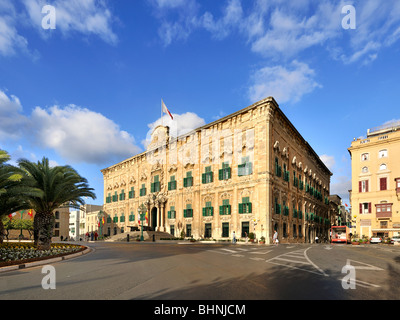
{"x":88,"y":92}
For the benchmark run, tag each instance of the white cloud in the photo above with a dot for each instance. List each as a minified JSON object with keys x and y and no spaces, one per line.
{"x":341,"y":186}
{"x":10,"y":40}
{"x":12,"y":122}
{"x":82,"y":16}
{"x":82,"y":135}
{"x":284,"y":84}
{"x":285,"y":29}
{"x":329,"y":161}
{"x":77,"y":134}
{"x":181,"y":124}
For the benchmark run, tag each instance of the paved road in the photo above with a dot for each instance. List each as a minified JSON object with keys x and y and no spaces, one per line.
{"x":214,"y":271}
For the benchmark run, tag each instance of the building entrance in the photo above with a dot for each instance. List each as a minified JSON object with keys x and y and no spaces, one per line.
{"x":154,"y":219}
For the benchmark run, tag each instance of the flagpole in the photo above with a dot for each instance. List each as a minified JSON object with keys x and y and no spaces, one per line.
{"x":162,"y":122}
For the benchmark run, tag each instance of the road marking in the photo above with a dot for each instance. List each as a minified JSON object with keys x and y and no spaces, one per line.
{"x":364,"y":266}
{"x":300,"y":255}
{"x":260,"y":252}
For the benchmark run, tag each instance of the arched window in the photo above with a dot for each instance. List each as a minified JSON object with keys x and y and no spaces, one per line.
{"x":383,"y":153}
{"x":365,"y":157}
{"x":383,"y":166}
{"x":364,"y":169}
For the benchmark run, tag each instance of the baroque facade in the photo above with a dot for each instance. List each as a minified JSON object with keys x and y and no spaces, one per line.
{"x":249,"y":172}
{"x":375,"y":190}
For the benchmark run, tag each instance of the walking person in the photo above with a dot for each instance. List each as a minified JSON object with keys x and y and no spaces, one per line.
{"x":233,"y":237}
{"x":275,"y":238}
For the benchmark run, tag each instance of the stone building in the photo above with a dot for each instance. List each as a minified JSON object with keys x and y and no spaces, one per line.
{"x":375,"y":190}
{"x":249,"y":172}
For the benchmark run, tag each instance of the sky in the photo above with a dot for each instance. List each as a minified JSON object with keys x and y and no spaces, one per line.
{"x":81,"y":81}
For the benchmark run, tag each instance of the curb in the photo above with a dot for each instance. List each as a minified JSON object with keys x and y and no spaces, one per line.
{"x":44,"y":261}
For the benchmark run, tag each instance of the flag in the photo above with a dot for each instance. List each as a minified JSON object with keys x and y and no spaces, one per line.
{"x":30,"y":213}
{"x":165,"y":109}
{"x":147,"y":218}
{"x":346,"y":204}
{"x":11,"y":215}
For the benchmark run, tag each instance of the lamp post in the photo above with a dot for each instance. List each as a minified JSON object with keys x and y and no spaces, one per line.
{"x":142,"y":212}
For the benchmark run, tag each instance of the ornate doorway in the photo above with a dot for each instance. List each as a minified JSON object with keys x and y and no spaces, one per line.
{"x":154,"y":212}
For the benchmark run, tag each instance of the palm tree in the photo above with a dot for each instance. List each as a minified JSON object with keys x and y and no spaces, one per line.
{"x":12,"y":190}
{"x":61,"y":186}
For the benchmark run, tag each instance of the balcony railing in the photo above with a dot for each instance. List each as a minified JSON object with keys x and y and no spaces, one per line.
{"x":383,"y":214}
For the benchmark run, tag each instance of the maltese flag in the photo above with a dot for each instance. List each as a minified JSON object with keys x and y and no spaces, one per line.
{"x":165,"y":109}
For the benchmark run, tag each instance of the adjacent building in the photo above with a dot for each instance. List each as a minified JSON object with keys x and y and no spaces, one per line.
{"x":375,"y":190}
{"x":249,"y":172}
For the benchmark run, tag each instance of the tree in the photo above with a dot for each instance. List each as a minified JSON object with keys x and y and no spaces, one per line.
{"x":12,"y":190}
{"x":61,"y":186}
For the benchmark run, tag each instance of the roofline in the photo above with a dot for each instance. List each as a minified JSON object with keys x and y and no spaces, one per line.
{"x":243,"y":110}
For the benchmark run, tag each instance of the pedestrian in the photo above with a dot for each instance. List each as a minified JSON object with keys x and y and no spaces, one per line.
{"x":233,"y":237}
{"x":275,"y":238}
{"x":87,"y":236}
{"x":95,"y":236}
{"x":316,"y":239}
{"x":91,"y":236}
{"x":246,"y":237}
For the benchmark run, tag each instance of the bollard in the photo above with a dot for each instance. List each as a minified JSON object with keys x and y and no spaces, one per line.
{"x":154,"y":237}
{"x":127,"y":238}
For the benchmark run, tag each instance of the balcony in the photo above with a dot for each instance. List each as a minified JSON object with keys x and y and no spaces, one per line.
{"x":384,"y":210}
{"x":383,"y":215}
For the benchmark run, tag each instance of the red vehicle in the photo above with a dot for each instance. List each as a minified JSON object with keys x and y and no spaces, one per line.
{"x":340,"y":234}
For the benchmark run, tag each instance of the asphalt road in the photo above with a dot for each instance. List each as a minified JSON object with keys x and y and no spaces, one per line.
{"x":145,"y":271}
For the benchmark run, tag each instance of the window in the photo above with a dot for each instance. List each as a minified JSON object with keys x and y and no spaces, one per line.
{"x":207,"y":177}
{"x":365,"y":157}
{"x":172,"y":183}
{"x":208,"y":210}
{"x":143,"y":190}
{"x":285,"y":173}
{"x":188,"y":181}
{"x":364,"y":170}
{"x":246,"y":168}
{"x":188,"y":212}
{"x":131,"y":193}
{"x":384,"y":208}
{"x":225,"y":209}
{"x":383,"y":166}
{"x":225,"y":172}
{"x":171,"y":212}
{"x":122,"y":195}
{"x":225,"y":229}
{"x":365,"y":207}
{"x":383,"y":153}
{"x":245,"y":206}
{"x":188,"y":230}
{"x":397,"y":185}
{"x":278,"y":168}
{"x":155,"y":186}
{"x":108,"y":198}
{"x":277,"y":207}
{"x":115,"y":197}
{"x":122,"y":217}
{"x":383,"y":184}
{"x":115,"y":219}
{"x":132,"y":216}
{"x":363,"y":186}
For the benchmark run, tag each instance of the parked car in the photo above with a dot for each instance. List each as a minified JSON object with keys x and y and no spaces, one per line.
{"x":395,"y":239}
{"x":376,"y":240}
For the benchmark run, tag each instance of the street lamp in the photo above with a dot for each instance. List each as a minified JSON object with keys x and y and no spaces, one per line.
{"x":142,"y":213}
